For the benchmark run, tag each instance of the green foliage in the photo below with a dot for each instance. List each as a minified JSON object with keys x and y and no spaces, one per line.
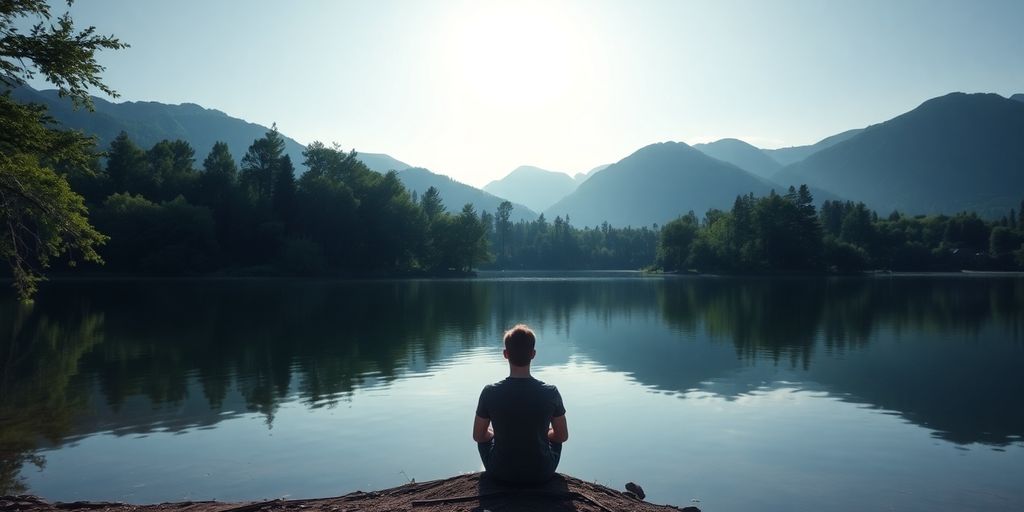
{"x":772,"y":233}
{"x":559,"y":245}
{"x":302,"y":257}
{"x":170,"y":238}
{"x":783,"y":234}
{"x":64,"y":56}
{"x":261,"y":165}
{"x":676,"y":241}
{"x":844,"y":257}
{"x":42,"y":217}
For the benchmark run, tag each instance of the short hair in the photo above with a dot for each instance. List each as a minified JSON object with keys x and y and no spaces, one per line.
{"x":519,"y":342}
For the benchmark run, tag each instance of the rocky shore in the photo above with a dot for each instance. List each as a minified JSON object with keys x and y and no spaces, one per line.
{"x":469,"y":492}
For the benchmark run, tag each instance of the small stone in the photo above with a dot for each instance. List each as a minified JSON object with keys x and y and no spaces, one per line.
{"x":636,"y":489}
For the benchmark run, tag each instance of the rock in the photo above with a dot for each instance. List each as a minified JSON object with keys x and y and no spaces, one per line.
{"x":635,"y":489}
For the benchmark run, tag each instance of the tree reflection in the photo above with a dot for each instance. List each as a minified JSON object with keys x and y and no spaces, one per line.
{"x":39,"y":354}
{"x":137,"y":356}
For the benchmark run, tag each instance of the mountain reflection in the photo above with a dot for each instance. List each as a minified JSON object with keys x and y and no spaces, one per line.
{"x":137,"y":356}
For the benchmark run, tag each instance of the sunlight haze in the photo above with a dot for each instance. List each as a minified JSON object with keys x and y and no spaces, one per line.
{"x":475,"y":89}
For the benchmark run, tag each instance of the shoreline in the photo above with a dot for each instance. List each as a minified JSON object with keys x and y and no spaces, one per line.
{"x":486,"y":275}
{"x":468,"y":492}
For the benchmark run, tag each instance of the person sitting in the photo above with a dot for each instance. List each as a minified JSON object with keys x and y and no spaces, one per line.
{"x":520,"y":421}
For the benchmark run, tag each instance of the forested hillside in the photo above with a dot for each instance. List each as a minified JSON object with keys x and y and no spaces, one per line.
{"x":149,"y":122}
{"x":953,"y":153}
{"x":656,"y":184}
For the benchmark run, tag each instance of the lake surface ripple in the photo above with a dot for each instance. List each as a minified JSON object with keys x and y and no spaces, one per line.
{"x":903,"y":392}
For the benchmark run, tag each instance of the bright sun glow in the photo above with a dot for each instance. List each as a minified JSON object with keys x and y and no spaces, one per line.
{"x":511,"y":55}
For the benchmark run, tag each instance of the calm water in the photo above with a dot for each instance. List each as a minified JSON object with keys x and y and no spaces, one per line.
{"x":901,"y":393}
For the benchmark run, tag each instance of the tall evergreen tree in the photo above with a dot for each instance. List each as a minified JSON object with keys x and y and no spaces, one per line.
{"x":260,"y":165}
{"x":503,"y":228}
{"x":124,"y":160}
{"x":220,"y":162}
{"x":283,"y":200}
{"x":431,"y":204}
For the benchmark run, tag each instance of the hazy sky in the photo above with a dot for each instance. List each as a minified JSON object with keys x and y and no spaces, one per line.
{"x":474,"y":89}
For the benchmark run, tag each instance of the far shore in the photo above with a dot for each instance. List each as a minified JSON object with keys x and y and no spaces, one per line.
{"x":510,"y":274}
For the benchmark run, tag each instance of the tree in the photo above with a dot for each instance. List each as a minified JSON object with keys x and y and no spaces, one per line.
{"x":283,"y":199}
{"x":64,"y":56}
{"x":431,"y":204}
{"x":124,"y":159}
{"x":503,"y":228}
{"x":220,"y":161}
{"x":260,"y":165}
{"x":676,"y":240}
{"x":41,"y":217}
{"x":1002,"y":243}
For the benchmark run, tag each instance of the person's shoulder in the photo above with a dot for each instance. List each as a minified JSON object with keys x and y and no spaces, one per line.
{"x":547,"y":387}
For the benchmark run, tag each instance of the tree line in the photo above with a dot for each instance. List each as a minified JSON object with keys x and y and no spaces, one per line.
{"x":787,"y":233}
{"x":558,"y":245}
{"x":164,"y":216}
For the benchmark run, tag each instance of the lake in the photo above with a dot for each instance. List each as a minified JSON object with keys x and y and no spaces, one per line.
{"x":893,"y":392}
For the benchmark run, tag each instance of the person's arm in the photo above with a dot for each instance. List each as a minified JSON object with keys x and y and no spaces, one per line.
{"x":559,"y":431}
{"x":482,"y":431}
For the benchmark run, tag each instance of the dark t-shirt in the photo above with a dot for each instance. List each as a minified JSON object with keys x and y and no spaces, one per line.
{"x":520,"y":410}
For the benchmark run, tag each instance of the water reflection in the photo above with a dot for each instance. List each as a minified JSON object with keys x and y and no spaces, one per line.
{"x":140,"y":356}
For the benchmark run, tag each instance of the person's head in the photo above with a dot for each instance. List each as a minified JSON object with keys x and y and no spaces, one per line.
{"x":519,"y":345}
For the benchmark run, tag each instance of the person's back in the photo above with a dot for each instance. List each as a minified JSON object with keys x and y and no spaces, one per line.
{"x":520,"y":422}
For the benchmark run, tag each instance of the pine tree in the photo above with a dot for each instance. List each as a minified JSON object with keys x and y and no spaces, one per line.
{"x":283,"y":200}
{"x":260,"y":165}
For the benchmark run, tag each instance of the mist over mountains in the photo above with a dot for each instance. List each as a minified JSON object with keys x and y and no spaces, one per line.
{"x":742,"y":155}
{"x":381,"y":163}
{"x":793,"y":154}
{"x":952,"y":153}
{"x":532,"y":186}
{"x":456,"y":194}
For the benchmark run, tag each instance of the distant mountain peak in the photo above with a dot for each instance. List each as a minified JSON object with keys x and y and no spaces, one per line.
{"x":742,"y":155}
{"x":954,"y":152}
{"x":656,"y":184}
{"x":455,"y":194}
{"x":532,"y":186}
{"x":381,"y":162}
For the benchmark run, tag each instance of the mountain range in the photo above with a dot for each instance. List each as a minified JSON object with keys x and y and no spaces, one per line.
{"x":742,"y":155}
{"x":381,"y":163}
{"x":952,"y":153}
{"x":455,"y":195}
{"x":656,"y":184}
{"x":149,"y":122}
{"x":534,"y":187}
{"x":794,"y":154}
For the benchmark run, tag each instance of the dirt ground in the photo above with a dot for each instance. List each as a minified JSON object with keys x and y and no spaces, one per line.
{"x":461,"y":493}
